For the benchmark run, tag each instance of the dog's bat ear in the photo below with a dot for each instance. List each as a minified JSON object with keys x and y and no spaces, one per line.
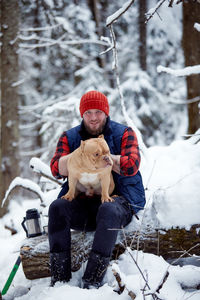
{"x":101,"y":136}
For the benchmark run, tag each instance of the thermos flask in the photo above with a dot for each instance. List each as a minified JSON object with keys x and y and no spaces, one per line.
{"x":33,"y":223}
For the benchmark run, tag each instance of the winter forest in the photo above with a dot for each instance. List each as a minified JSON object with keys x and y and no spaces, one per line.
{"x":145,"y":57}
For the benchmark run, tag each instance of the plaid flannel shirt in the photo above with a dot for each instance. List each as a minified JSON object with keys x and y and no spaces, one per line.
{"x":129,"y":160}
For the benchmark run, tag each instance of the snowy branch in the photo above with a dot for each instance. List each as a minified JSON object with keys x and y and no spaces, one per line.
{"x":41,"y":168}
{"x":40,"y":28}
{"x":154,"y":10}
{"x":162,"y":281}
{"x":121,"y":284}
{"x":26,"y":184}
{"x":189,"y":101}
{"x":187,"y":71}
{"x":197,"y":26}
{"x":44,"y":42}
{"x":111,"y":19}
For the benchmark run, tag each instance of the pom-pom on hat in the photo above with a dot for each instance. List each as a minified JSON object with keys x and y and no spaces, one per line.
{"x":94,"y":100}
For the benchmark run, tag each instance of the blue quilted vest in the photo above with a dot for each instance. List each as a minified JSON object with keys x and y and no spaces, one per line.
{"x":130,"y":187}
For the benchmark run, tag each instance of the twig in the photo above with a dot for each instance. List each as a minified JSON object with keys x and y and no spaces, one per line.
{"x":185,"y":252}
{"x":186,"y":102}
{"x":170,"y":3}
{"x":179,"y":1}
{"x":121,"y":284}
{"x":140,"y":272}
{"x":40,"y":28}
{"x":11,"y":229}
{"x":152,"y":11}
{"x":162,"y":282}
{"x":154,"y":296}
{"x":110,"y":20}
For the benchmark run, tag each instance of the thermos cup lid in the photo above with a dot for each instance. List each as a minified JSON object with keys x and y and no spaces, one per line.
{"x":32,"y":214}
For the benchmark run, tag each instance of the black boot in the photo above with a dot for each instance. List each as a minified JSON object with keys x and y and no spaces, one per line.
{"x":95,"y":270}
{"x":60,"y":266}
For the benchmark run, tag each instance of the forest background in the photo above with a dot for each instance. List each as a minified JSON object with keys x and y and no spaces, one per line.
{"x":53,"y":51}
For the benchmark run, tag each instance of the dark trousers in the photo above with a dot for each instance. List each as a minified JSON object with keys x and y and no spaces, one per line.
{"x":87,"y":214}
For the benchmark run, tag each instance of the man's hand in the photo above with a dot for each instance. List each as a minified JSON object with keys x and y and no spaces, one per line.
{"x":116,"y":163}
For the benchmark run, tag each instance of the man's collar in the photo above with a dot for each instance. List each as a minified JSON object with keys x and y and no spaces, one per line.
{"x":86,"y":135}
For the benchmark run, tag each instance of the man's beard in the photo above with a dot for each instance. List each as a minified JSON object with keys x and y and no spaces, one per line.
{"x":96,"y":132}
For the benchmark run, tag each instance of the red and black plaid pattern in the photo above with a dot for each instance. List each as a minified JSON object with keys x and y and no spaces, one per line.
{"x":130,"y":156}
{"x":61,"y":150}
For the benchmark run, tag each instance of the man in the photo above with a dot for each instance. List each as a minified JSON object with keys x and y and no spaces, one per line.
{"x":88,"y":213}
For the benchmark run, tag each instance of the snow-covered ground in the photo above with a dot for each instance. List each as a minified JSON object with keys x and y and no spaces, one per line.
{"x":171,"y":175}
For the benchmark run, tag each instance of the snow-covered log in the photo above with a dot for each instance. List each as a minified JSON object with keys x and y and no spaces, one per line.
{"x":170,"y":244}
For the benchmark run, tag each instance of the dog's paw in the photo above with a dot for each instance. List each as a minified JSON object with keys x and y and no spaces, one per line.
{"x":107,"y":199}
{"x":68,"y":197}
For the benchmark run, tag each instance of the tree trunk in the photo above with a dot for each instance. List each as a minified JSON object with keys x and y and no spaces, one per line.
{"x":9,"y":97}
{"x":94,"y":6}
{"x":170,"y":244}
{"x":191,"y":46}
{"x":142,"y":34}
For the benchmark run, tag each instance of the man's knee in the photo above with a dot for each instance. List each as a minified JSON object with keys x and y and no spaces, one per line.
{"x":108,"y":213}
{"x":58,"y":207}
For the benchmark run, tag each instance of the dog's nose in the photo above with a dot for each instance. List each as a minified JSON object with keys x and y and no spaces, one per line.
{"x":107,"y":159}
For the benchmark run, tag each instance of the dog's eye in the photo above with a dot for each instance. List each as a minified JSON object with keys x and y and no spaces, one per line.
{"x":96,"y":154}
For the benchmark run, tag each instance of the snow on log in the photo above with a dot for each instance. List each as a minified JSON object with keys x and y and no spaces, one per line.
{"x":171,"y":244}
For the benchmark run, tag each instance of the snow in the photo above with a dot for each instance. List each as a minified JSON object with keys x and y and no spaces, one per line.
{"x":26,"y":183}
{"x":118,"y":13}
{"x":180,"y":72}
{"x":171,"y":175}
{"x":152,"y":10}
{"x":38,"y":166}
{"x":197,"y":26}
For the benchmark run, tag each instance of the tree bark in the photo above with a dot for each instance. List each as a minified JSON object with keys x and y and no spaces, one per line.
{"x":191,"y":46}
{"x":9,"y":159}
{"x":94,"y":6}
{"x":142,"y":34}
{"x":170,"y":244}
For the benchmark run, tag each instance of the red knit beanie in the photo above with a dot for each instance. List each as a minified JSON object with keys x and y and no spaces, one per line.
{"x":94,"y":100}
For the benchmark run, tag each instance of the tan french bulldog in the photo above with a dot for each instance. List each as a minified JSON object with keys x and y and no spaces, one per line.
{"x":89,"y":170}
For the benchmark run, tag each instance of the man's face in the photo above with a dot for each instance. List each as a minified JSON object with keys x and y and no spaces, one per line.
{"x":94,"y":121}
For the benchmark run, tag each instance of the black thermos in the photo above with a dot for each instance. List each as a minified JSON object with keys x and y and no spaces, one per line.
{"x":33,"y":223}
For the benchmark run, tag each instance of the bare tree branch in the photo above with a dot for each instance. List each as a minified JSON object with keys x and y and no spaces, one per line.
{"x":25,"y":184}
{"x":121,"y":284}
{"x":162,"y":282}
{"x":38,"y":167}
{"x":110,"y":20}
{"x":171,"y":3}
{"x":154,"y":10}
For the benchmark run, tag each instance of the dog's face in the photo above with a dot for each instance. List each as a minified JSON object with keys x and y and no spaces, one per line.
{"x":97,"y":151}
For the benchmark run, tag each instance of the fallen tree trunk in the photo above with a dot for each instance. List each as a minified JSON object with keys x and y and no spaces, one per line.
{"x":170,"y":244}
